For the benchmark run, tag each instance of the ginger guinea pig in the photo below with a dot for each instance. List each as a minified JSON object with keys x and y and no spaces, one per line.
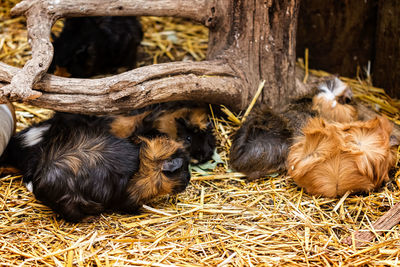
{"x":333,"y":158}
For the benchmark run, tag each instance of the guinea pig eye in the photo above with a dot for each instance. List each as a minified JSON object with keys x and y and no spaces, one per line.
{"x":344,"y":100}
{"x":189,"y":138}
{"x":172,"y":165}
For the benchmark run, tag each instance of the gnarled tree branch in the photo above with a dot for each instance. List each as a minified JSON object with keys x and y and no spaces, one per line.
{"x":249,"y":41}
{"x":208,"y":81}
{"x":198,"y":10}
{"x":41,"y":15}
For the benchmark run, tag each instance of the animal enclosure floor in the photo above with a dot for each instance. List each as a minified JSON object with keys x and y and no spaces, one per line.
{"x":220,"y":219}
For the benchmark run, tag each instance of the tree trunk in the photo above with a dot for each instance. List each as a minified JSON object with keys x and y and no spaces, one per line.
{"x":249,"y":41}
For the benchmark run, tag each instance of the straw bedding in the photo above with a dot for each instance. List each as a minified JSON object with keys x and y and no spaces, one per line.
{"x":220,"y":219}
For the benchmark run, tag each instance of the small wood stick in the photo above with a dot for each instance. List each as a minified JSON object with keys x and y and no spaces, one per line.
{"x":386,"y":222}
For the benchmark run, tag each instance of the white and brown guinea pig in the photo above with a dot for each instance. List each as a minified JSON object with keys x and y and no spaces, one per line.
{"x":182,"y":121}
{"x":334,"y":101}
{"x":76,"y":167}
{"x":333,"y":158}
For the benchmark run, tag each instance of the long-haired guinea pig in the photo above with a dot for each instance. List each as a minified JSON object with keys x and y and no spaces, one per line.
{"x":333,"y":158}
{"x":89,"y":46}
{"x":334,"y":101}
{"x":75,"y":166}
{"x":261,"y":145}
{"x":331,"y":100}
{"x":182,"y":121}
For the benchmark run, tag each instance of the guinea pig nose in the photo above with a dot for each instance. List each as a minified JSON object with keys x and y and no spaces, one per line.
{"x":172,"y":165}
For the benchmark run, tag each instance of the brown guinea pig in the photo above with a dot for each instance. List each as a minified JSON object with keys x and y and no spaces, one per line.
{"x":76,"y":167}
{"x":333,"y":158}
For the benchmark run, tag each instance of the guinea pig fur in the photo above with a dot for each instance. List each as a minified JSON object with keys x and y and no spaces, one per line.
{"x":190,"y":127}
{"x":184,"y":122}
{"x":333,"y":158}
{"x":89,"y":46}
{"x":334,"y":102}
{"x":261,"y":145}
{"x":75,"y":166}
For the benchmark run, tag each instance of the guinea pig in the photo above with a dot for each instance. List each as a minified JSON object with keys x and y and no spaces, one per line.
{"x":184,"y":122}
{"x":190,"y":127}
{"x":333,"y":158}
{"x":334,"y":102}
{"x":261,"y":145}
{"x":76,"y":167}
{"x":89,"y":46}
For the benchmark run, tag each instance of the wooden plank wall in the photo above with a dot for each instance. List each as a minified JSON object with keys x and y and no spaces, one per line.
{"x":344,"y":34}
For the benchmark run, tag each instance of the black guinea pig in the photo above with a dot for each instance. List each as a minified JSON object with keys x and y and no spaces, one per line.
{"x":75,"y":166}
{"x":89,"y":46}
{"x":261,"y":144}
{"x":182,"y":121}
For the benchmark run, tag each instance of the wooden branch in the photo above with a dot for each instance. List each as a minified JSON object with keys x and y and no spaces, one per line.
{"x":386,"y":222}
{"x":39,"y":24}
{"x":198,"y":10}
{"x":208,"y":81}
{"x":41,"y":15}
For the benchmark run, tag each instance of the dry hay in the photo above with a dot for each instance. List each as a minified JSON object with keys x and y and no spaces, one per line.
{"x":220,"y":219}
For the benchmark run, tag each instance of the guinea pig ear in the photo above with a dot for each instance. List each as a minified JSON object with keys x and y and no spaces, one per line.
{"x":394,"y":141}
{"x":346,"y":97}
{"x":171,"y":165}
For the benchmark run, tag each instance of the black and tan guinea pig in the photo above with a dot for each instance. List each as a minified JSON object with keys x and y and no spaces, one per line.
{"x":330,"y":158}
{"x":184,"y":122}
{"x":89,"y":46}
{"x":261,"y":145}
{"x":75,"y":166}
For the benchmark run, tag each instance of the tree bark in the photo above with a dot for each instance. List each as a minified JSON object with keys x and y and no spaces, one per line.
{"x":249,"y":41}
